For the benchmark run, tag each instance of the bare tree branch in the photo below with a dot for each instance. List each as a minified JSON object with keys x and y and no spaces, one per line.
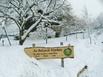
{"x":29,"y":8}
{"x":8,"y":16}
{"x":8,"y":7}
{"x":54,"y":4}
{"x":14,"y":5}
{"x":48,"y":5}
{"x":16,"y":1}
{"x":56,"y":8}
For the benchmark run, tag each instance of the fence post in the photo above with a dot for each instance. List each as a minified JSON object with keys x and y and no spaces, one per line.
{"x":2,"y":42}
{"x":33,"y":45}
{"x":83,"y":36}
{"x":62,"y":59}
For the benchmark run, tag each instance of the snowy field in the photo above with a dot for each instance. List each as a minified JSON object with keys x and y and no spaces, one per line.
{"x":15,"y":63}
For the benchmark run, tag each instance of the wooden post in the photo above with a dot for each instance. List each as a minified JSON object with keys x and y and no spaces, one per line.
{"x":46,"y":26}
{"x":2,"y":42}
{"x":7,"y":35}
{"x":62,"y":59}
{"x":83,"y":36}
{"x":62,"y":62}
{"x":66,"y":36}
{"x":33,"y":45}
{"x":89,"y":35}
{"x":76,"y":36}
{"x":76,"y":32}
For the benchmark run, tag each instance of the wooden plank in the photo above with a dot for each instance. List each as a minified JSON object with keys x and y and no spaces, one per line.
{"x":50,"y":52}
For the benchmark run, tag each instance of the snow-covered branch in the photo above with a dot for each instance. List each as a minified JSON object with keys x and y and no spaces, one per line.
{"x":34,"y":25}
{"x":45,"y":19}
{"x":55,"y":8}
{"x":30,"y":8}
{"x":49,"y":4}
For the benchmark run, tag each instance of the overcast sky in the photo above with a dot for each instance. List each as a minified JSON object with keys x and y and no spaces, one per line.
{"x":94,"y":7}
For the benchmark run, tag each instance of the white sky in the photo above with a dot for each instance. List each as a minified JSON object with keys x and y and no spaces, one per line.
{"x":94,"y":7}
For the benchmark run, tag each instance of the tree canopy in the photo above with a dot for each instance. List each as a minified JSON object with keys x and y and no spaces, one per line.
{"x":28,"y":14}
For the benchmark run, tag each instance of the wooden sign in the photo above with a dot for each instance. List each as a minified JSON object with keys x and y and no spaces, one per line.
{"x":50,"y":52}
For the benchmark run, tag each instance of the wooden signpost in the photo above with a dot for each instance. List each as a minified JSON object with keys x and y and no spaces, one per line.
{"x":50,"y":52}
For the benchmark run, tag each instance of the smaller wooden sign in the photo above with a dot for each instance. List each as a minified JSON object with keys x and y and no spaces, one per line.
{"x":50,"y":52}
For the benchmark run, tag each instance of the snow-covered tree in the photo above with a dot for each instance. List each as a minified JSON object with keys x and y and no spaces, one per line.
{"x":28,"y":14}
{"x":100,"y":20}
{"x":88,"y":23}
{"x":98,"y":23}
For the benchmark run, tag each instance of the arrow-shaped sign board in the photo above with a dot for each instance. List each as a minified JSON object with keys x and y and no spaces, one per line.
{"x":50,"y":52}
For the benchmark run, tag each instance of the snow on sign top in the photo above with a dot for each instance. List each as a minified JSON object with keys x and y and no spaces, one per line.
{"x":50,"y":52}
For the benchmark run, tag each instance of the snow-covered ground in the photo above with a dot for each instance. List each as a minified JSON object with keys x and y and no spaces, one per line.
{"x":15,"y":63}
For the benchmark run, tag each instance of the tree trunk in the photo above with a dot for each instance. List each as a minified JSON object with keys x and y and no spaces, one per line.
{"x":23,"y":35}
{"x":57,"y":34}
{"x":20,"y":37}
{"x":21,"y":42}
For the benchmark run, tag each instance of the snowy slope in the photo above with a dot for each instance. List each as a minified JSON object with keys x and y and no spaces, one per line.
{"x":15,"y":63}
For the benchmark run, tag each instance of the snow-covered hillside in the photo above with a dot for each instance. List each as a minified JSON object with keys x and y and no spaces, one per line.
{"x":15,"y":63}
